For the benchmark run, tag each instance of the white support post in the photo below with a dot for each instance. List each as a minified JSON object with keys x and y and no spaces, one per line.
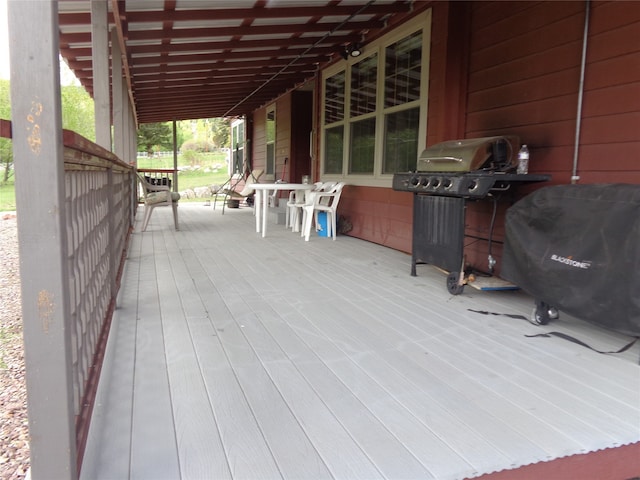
{"x":100,"y":59}
{"x":175,"y":156}
{"x":119,"y":100}
{"x":40,"y":197}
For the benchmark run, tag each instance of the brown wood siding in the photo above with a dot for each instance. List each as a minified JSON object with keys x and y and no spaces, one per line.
{"x":524,"y":79}
{"x":447,"y":72}
{"x":610,"y":137}
{"x":379,"y":215}
{"x":301,"y":126}
{"x":258,"y":142}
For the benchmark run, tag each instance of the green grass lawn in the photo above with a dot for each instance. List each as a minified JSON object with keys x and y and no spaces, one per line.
{"x":7,"y":197}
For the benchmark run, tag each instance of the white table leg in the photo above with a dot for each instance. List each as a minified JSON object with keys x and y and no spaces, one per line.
{"x":265,"y":208}
{"x":257,"y":207}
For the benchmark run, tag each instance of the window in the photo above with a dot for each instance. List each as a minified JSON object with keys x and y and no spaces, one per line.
{"x":237,"y":146}
{"x":363,"y":86}
{"x":401,"y":141}
{"x":334,"y":92}
{"x":375,"y":107}
{"x":363,"y":137}
{"x":333,"y":148}
{"x":402,"y":67}
{"x":334,"y":99}
{"x":271,"y":141}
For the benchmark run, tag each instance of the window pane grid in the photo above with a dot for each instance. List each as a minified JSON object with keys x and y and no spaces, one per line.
{"x":334,"y":149}
{"x":364,"y":77}
{"x":358,"y":104}
{"x":401,"y":141}
{"x":271,"y":143}
{"x":334,"y":98}
{"x":363,"y":139}
{"x":402,"y":70}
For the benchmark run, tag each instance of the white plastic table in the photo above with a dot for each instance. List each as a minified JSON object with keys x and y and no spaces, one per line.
{"x":263,"y":191}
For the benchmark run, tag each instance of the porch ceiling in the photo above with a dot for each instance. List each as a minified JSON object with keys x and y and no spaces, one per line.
{"x":189,"y":59}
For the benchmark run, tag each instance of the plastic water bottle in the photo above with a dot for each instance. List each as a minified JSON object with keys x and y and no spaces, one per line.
{"x":523,"y":160}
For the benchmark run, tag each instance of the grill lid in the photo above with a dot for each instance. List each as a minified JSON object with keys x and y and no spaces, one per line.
{"x":496,"y":154}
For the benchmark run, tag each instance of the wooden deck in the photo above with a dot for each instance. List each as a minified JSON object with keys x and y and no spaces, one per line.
{"x":236,"y":356}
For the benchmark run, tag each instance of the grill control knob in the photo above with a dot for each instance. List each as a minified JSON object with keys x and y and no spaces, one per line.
{"x":473,"y":185}
{"x":424,"y":181}
{"x":435,"y":182}
{"x":414,"y":181}
{"x":447,"y":183}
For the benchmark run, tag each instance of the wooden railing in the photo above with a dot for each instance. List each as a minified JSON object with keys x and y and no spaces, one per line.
{"x":99,"y":208}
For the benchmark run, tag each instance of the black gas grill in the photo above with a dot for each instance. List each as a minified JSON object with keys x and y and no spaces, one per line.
{"x":448,"y":175}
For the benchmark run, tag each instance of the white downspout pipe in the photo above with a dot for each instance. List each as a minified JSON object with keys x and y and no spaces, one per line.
{"x":574,"y":173}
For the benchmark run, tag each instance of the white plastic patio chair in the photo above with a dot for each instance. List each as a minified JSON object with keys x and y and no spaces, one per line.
{"x":324,"y":201}
{"x":296,"y":201}
{"x":158,"y":196}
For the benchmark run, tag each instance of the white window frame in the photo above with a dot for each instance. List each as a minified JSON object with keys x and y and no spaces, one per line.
{"x":236,"y":125}
{"x":270,"y":109}
{"x":377,"y":178}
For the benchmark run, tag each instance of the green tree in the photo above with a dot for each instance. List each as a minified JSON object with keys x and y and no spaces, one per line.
{"x":78,"y":112}
{"x":220,"y":132}
{"x":152,"y":135}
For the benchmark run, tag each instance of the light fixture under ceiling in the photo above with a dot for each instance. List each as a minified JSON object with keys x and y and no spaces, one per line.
{"x":352,"y":50}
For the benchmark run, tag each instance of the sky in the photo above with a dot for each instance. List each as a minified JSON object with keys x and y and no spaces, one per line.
{"x":67,"y":77}
{"x":4,"y":41}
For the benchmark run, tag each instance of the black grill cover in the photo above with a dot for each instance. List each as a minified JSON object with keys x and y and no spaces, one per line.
{"x":577,"y":247}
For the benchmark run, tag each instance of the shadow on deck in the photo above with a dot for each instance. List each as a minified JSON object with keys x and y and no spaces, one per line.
{"x":236,"y":356}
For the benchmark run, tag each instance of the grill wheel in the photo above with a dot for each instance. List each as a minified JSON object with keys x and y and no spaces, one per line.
{"x":453,"y":283}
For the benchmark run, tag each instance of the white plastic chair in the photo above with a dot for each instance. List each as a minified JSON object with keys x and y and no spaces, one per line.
{"x":158,"y":196}
{"x":297,"y":200}
{"x":326,"y":201}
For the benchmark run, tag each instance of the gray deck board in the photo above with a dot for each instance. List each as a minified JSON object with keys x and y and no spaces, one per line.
{"x":236,"y":356}
{"x":153,"y":439}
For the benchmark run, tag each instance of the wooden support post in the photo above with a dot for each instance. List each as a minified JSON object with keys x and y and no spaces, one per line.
{"x":100,"y":61}
{"x":40,"y":198}
{"x":118,"y":95}
{"x":175,"y":156}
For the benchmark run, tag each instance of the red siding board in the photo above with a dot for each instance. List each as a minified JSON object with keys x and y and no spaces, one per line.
{"x":561,"y":57}
{"x":607,"y":157}
{"x":615,"y":71}
{"x":610,"y":177}
{"x":521,"y":112}
{"x":607,"y":16}
{"x":611,"y":101}
{"x":526,"y":19}
{"x":488,"y":16}
{"x":620,"y":128}
{"x":552,"y":85}
{"x":518,"y":45}
{"x":621,"y":41}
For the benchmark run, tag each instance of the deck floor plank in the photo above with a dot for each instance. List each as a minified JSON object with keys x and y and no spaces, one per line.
{"x":245,"y":389}
{"x":237,"y":356}
{"x":153,"y":444}
{"x":200,"y":449}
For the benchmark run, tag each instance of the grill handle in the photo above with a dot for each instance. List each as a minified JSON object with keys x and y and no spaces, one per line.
{"x":442,"y":159}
